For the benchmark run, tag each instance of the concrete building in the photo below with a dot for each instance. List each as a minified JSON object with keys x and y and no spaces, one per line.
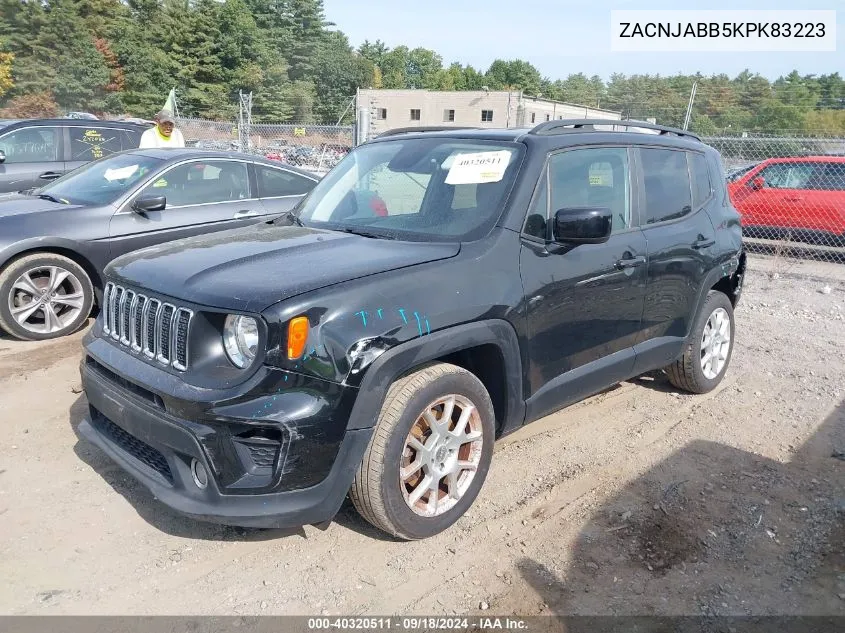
{"x":389,"y":109}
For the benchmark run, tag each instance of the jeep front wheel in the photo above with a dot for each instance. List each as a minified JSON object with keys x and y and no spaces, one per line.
{"x":429,"y":454}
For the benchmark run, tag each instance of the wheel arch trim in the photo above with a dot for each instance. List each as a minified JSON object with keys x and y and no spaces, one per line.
{"x":405,"y":357}
{"x":53,"y":246}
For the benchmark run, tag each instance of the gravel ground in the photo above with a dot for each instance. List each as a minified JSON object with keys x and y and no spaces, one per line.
{"x":641,"y":500}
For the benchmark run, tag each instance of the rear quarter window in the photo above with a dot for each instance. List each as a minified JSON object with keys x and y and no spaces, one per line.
{"x":702,"y":184}
{"x":91,"y":143}
{"x":277,"y":183}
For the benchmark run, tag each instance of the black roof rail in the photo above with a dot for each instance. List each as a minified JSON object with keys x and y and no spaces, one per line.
{"x":580,"y":125}
{"x":424,"y":128}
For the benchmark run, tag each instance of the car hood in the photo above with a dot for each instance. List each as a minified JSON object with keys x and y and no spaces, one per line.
{"x":252,"y":268}
{"x":18,"y":204}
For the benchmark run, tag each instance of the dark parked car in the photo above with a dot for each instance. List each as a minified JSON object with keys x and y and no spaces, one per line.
{"x":55,"y":240}
{"x":35,"y":151}
{"x":435,"y":291}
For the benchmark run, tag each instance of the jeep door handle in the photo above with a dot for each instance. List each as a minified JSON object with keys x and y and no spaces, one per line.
{"x":50,"y":175}
{"x":703,"y":243}
{"x":630,"y":262}
{"x":244,"y":213}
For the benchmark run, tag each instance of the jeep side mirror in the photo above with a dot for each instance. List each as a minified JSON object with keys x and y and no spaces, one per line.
{"x":149,"y":203}
{"x":583,"y":225}
{"x":758,"y":183}
{"x":2,"y":156}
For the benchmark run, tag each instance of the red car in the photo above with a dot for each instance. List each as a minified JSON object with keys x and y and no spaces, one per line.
{"x":804,"y":196}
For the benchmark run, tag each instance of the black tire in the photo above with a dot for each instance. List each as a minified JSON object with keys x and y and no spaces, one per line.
{"x":18,"y":267}
{"x":687,"y":373}
{"x":376,"y":491}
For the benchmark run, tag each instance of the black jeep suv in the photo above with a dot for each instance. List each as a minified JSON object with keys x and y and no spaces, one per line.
{"x":437,"y":290}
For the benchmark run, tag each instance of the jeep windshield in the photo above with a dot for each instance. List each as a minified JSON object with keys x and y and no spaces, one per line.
{"x":422,"y":189}
{"x":99,"y":182}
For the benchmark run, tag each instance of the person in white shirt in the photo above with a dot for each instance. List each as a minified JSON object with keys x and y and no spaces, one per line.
{"x":164,"y":134}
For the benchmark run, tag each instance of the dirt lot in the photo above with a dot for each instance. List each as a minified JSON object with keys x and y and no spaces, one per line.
{"x":641,"y":500}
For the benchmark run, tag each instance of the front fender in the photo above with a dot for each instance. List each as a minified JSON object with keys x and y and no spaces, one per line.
{"x":395,"y":362}
{"x":51,"y":243}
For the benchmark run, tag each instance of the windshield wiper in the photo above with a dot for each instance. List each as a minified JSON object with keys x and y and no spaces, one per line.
{"x":290,"y":217}
{"x":47,"y":196}
{"x":364,"y":233}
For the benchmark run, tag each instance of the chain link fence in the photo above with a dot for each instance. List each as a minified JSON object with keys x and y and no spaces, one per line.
{"x":316,"y":148}
{"x":790,"y":191}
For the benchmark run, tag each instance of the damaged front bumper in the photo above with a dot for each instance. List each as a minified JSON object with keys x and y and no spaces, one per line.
{"x":273,"y":452}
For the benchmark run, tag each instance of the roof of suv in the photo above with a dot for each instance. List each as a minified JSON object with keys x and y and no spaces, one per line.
{"x":633,"y":131}
{"x":75,"y":123}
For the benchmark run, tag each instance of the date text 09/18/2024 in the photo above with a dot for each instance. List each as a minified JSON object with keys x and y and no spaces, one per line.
{"x":416,"y":623}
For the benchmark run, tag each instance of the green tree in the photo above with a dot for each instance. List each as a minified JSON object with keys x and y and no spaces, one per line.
{"x":824,"y":122}
{"x":373,"y":51}
{"x":514,"y":75}
{"x":20,"y":24}
{"x":307,"y":27}
{"x":775,"y":116}
{"x":423,"y":68}
{"x":6,"y":81}
{"x":302,"y":98}
{"x":394,"y":68}
{"x":340,"y":72}
{"x":831,"y":92}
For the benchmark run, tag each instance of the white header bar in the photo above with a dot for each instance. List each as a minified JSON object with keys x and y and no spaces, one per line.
{"x":723,"y":31}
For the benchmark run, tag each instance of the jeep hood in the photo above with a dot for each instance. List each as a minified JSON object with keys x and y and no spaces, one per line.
{"x":251,"y":268}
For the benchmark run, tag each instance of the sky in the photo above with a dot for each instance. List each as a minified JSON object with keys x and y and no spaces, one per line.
{"x":561,"y":37}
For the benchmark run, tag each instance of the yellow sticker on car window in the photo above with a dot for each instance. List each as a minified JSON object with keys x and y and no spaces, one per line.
{"x":161,"y":182}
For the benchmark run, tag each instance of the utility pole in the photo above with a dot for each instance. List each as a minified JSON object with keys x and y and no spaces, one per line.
{"x":689,"y":105}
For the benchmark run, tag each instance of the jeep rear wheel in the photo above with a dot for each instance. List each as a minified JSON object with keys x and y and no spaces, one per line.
{"x":708,"y":352}
{"x":429,"y":454}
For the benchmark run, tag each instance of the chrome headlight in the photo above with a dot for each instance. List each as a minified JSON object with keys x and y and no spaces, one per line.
{"x":240,"y":338}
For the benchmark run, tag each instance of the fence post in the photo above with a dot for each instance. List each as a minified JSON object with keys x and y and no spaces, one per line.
{"x":362,"y":126}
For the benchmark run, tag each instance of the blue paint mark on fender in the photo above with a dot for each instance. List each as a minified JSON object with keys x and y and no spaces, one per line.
{"x":419,"y":325}
{"x":402,"y":312}
{"x":379,"y":313}
{"x":363,"y":317}
{"x":427,"y":327}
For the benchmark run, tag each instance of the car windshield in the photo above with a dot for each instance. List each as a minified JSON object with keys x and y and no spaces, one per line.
{"x":100,"y":182}
{"x":423,"y":189}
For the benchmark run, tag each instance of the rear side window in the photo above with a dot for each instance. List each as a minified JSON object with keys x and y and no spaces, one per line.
{"x":275,"y":183}
{"x":829,"y":177}
{"x":667,"y":184}
{"x":91,"y":143}
{"x":702,"y":186}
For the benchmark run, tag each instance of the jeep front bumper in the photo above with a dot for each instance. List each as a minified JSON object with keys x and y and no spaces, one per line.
{"x":275,"y":454}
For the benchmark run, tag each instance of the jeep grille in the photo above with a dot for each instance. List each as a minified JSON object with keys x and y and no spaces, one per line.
{"x":147,"y":325}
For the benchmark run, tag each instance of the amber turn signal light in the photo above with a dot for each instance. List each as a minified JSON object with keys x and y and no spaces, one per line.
{"x":297,"y":336}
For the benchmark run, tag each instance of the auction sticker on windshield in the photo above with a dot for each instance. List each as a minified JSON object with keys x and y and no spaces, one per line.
{"x":478,"y":168}
{"x":120,"y":173}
